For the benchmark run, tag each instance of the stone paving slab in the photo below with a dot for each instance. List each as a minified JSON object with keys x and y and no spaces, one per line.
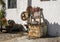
{"x":24,"y":39}
{"x":7,"y":37}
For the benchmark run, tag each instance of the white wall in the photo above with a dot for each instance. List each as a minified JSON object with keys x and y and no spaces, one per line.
{"x":51,"y":11}
{"x":15,"y":13}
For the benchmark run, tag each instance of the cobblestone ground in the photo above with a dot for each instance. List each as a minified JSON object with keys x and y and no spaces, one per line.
{"x":6,"y":37}
{"x":24,"y":39}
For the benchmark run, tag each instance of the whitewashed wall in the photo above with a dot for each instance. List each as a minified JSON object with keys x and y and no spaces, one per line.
{"x":15,"y":13}
{"x":51,"y":11}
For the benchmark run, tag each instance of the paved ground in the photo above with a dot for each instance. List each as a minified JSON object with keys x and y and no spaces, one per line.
{"x":6,"y":37}
{"x":24,"y":39}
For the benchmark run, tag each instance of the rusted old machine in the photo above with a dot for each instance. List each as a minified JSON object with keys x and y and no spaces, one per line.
{"x":37,"y":26}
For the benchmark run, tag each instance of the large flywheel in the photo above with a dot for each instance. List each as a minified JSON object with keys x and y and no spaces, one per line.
{"x":24,"y":16}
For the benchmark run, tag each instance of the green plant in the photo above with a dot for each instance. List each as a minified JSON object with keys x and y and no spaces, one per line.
{"x":2,"y":13}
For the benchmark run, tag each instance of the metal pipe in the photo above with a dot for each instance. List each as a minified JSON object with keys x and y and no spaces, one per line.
{"x":29,"y":2}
